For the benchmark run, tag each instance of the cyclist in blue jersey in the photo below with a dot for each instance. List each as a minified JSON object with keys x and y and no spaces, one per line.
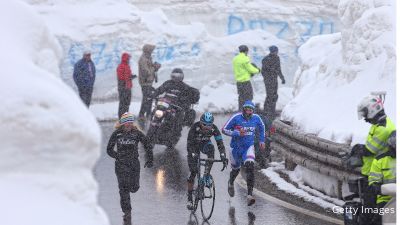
{"x":241,"y":127}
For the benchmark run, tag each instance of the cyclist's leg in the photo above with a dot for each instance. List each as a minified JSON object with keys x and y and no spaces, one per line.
{"x":192,"y":162}
{"x":209,"y":150}
{"x":236,"y":161}
{"x":248,"y":159}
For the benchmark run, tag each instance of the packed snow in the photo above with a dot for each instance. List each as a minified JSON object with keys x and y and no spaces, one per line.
{"x":49,"y":140}
{"x":338,"y":70}
{"x":317,"y":198}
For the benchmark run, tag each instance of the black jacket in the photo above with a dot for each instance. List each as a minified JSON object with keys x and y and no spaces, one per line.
{"x":180,"y":93}
{"x":127,"y":146}
{"x":197,"y":138}
{"x":271,"y":68}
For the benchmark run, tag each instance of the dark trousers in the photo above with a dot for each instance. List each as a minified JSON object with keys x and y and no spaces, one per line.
{"x":145,"y":108}
{"x":368,"y":201}
{"x":124,"y":101}
{"x":128,"y":181}
{"x":245,"y":91}
{"x":86,"y":94}
{"x":271,"y":88}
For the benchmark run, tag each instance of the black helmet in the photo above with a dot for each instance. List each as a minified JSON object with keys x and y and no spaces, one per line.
{"x":273,"y":49}
{"x":177,"y":74}
{"x":243,"y":48}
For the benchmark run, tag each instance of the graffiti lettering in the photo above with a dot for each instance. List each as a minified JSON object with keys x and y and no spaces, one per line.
{"x":281,"y":29}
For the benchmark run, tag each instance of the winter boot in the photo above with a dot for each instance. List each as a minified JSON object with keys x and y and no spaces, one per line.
{"x":250,"y":200}
{"x":127,"y":218}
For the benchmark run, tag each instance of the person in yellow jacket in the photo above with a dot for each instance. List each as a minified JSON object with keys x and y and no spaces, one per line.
{"x":372,"y":110}
{"x":243,"y":70}
{"x":383,"y":171}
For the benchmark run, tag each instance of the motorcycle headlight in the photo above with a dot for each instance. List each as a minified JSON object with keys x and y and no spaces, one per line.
{"x":158,"y":113}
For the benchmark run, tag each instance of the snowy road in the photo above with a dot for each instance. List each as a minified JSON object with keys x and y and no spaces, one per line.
{"x":161,"y":198}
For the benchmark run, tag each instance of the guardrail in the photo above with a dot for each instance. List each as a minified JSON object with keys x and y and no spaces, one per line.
{"x":312,"y":152}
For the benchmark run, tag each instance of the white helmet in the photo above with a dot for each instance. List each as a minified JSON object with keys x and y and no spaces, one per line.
{"x":369,"y":107}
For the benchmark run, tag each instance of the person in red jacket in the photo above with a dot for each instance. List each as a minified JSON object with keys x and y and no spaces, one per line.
{"x":124,"y":75}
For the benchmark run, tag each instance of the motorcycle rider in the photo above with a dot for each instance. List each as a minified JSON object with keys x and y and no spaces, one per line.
{"x":241,"y":127}
{"x":199,"y":140}
{"x":181,"y":95}
{"x":127,"y":165}
{"x":372,"y":110}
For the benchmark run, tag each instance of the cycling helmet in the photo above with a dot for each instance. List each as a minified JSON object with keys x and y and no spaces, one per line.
{"x":248,"y":109}
{"x":207,"y":119}
{"x":177,"y":74}
{"x":273,"y":49}
{"x":369,"y":107}
{"x":243,"y":48}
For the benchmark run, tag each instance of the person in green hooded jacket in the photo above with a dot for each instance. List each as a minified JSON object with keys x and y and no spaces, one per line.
{"x":243,"y":70}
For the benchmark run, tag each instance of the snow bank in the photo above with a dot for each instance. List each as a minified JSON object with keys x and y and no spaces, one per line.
{"x":49,"y":140}
{"x":282,"y":184}
{"x":338,"y":70}
{"x":200,"y":36}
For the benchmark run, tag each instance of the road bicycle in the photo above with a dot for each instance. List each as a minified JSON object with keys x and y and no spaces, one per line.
{"x":204,"y":190}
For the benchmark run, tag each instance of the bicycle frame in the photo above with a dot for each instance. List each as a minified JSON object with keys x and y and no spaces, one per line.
{"x":199,"y":191}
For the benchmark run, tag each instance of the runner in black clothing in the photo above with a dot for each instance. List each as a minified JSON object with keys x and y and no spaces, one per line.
{"x":127,"y":165}
{"x":199,"y":140}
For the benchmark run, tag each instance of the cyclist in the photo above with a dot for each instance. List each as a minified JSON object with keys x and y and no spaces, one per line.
{"x":127,"y":165}
{"x":199,"y":140}
{"x":241,"y":127}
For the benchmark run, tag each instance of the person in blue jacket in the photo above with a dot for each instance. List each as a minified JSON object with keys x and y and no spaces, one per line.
{"x":241,"y":127}
{"x":84,"y":76}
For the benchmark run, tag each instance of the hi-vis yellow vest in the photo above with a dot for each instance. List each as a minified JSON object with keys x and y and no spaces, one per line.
{"x":376,"y":143}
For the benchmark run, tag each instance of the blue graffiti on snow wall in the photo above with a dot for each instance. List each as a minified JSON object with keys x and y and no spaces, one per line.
{"x":281,"y":29}
{"x":107,"y":56}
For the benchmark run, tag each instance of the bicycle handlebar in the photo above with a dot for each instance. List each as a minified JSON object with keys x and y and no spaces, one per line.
{"x":213,"y":160}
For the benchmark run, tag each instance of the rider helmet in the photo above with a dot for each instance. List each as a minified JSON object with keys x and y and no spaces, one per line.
{"x":177,"y":74}
{"x":369,"y":107}
{"x":207,"y":119}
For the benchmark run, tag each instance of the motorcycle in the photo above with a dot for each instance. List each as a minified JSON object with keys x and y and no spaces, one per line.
{"x":166,"y":122}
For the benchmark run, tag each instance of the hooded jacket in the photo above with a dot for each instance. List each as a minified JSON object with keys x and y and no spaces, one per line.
{"x":146,"y":66}
{"x":242,"y":68}
{"x":124,"y":72}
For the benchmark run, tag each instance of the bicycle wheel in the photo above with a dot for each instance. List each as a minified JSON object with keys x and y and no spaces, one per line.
{"x":208,"y":200}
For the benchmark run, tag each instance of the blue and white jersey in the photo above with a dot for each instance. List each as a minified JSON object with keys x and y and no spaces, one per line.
{"x":236,"y":123}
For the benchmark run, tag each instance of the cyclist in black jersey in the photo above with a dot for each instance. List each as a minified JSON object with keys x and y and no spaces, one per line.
{"x":199,"y":140}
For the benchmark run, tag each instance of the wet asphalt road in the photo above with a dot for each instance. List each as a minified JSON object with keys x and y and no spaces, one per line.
{"x":161,"y":198}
